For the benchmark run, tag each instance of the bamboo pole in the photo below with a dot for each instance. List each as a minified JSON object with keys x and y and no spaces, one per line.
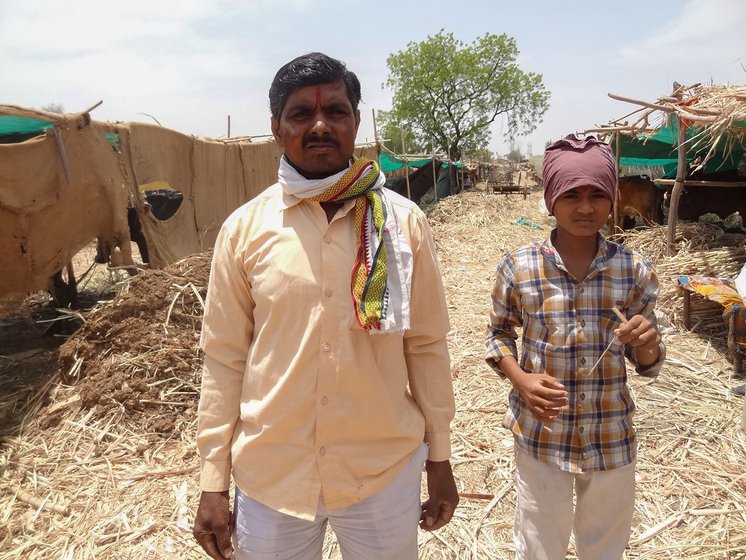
{"x":702,"y":183}
{"x":91,"y":108}
{"x":640,"y":102}
{"x":673,"y":209}
{"x":229,"y":126}
{"x":406,"y":163}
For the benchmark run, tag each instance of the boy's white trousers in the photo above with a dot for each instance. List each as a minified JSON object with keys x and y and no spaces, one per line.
{"x":545,"y":514}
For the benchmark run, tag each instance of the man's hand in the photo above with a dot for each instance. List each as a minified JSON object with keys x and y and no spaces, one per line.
{"x":442,"y":496}
{"x":213,"y":525}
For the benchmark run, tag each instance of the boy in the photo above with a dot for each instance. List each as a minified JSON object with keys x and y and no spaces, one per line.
{"x":570,"y":409}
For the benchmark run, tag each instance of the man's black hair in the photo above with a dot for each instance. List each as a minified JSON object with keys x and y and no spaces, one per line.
{"x":310,"y":70}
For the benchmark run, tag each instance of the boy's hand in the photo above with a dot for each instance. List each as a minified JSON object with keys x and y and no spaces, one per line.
{"x":543,"y":394}
{"x":641,"y":334}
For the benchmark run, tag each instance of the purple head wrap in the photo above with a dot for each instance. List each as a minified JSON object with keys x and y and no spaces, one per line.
{"x":573,"y":162}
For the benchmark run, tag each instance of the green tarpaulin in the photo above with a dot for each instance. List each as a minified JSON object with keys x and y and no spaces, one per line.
{"x":22,"y":125}
{"x":390,"y":162}
{"x":660,"y":149}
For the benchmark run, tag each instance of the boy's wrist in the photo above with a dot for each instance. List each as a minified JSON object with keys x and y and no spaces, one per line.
{"x":648,"y":354}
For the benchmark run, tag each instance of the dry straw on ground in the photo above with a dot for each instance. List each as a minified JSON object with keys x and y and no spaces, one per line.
{"x":118,"y":478}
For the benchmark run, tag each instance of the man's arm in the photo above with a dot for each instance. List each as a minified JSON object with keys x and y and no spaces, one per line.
{"x":227,"y":329}
{"x":429,"y":371}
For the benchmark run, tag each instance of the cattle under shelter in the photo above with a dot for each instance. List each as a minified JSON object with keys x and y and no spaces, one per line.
{"x":697,"y":136}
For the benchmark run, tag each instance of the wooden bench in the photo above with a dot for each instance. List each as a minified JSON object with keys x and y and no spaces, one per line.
{"x":508,"y":188}
{"x":723,"y":292}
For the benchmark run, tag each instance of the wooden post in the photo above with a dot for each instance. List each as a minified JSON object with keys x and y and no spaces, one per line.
{"x":375,"y":137}
{"x":673,"y":208}
{"x":618,"y":148}
{"x":61,"y":152}
{"x":229,"y":126}
{"x":687,"y":310}
{"x":406,"y":162}
{"x":435,"y":173}
{"x":450,"y":171}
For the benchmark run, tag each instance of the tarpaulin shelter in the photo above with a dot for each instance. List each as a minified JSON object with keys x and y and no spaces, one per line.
{"x":695,"y":128}
{"x":392,"y":164}
{"x":66,"y":180}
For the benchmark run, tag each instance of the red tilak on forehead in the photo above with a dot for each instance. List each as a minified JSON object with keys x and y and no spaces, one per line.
{"x":318,"y":96}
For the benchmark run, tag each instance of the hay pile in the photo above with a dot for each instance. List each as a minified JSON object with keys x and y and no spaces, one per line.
{"x":701,"y":250}
{"x":106,"y":466}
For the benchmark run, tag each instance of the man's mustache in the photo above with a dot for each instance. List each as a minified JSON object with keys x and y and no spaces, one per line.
{"x":326,"y":140}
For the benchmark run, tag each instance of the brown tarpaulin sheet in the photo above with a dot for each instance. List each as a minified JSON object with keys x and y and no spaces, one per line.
{"x":47,"y":216}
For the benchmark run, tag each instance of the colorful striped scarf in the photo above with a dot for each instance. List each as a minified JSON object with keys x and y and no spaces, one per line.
{"x":371,"y":279}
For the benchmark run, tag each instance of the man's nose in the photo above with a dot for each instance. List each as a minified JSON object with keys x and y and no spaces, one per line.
{"x":320,"y":125}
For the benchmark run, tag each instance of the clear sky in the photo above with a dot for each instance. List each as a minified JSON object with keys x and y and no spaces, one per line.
{"x":190,"y":64}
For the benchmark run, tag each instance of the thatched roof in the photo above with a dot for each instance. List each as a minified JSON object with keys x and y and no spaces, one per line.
{"x":717,"y":113}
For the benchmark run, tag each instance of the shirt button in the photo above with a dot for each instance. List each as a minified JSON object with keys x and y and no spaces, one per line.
{"x":328,"y":292}
{"x":326,"y":347}
{"x":324,"y":400}
{"x":327,"y":239}
{"x":585,"y":455}
{"x":582,"y":429}
{"x":581,"y":290}
{"x":582,"y":361}
{"x":582,"y":322}
{"x":322,"y":451}
{"x":582,"y":396}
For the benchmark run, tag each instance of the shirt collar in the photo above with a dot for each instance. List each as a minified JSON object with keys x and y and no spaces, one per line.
{"x":600,"y":262}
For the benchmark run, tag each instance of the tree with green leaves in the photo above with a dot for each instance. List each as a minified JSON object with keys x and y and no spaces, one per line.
{"x":54,"y":108}
{"x":390,"y":131}
{"x":480,"y":154}
{"x":451,"y":92}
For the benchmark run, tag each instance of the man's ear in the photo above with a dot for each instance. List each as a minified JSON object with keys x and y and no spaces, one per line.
{"x":357,"y":120}
{"x":275,"y":124}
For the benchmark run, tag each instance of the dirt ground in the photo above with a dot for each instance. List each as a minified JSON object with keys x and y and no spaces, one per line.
{"x":97,"y":456}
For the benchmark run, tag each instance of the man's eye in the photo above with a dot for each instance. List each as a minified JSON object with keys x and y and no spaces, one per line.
{"x":337,"y":112}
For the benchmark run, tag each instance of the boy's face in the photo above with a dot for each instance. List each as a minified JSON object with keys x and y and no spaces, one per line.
{"x":582,"y":212}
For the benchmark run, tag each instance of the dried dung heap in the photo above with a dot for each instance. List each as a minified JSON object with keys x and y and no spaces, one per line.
{"x":140,"y":354}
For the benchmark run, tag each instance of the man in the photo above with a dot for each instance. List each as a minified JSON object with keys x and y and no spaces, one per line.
{"x":326,"y":382}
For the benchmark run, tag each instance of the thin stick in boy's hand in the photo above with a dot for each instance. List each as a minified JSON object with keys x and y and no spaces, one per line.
{"x":619,"y":314}
{"x":623,"y":319}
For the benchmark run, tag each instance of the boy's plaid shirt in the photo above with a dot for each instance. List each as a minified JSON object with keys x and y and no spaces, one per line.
{"x":566,"y":327}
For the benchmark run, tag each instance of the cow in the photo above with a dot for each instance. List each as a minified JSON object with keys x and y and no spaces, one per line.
{"x":163,"y":203}
{"x":638,"y":196}
{"x":698,"y":200}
